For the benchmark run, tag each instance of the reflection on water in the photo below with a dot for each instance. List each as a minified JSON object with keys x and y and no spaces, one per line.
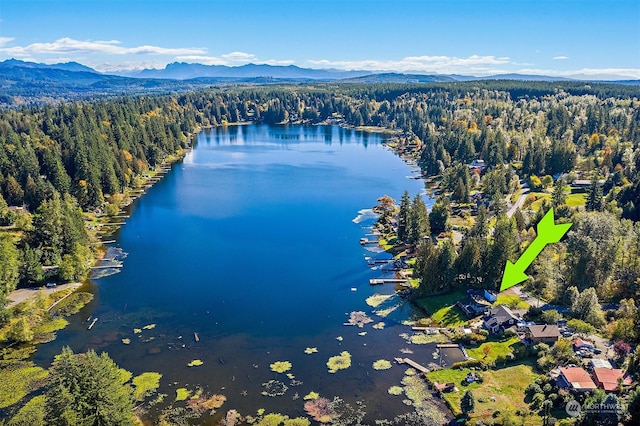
{"x":246,"y":254}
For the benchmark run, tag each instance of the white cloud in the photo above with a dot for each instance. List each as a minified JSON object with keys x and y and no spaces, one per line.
{"x":240,"y":57}
{"x":595,"y":73}
{"x":5,"y":40}
{"x":437,"y":64}
{"x":69,"y":46}
{"x":560,"y":58}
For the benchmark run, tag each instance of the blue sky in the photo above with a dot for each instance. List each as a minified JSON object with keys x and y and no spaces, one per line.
{"x":478,"y":37}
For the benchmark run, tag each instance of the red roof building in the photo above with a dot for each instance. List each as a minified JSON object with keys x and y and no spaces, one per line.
{"x":607,"y":379}
{"x":575,"y":378}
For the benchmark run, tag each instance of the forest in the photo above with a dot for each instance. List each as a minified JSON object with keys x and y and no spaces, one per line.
{"x":60,"y":165}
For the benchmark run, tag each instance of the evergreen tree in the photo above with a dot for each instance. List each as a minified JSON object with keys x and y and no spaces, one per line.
{"x":439,"y":216}
{"x":418,"y":220}
{"x":87,"y":389}
{"x":403,"y":216}
{"x":9,"y":265}
{"x":558,"y":197}
{"x":594,"y":199}
{"x":467,"y":403}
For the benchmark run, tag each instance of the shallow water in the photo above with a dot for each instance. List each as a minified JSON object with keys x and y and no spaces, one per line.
{"x":253,"y":243}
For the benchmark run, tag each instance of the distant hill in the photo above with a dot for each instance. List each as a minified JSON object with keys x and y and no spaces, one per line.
{"x":67,"y":66}
{"x":185,"y":71}
{"x":399,"y":78}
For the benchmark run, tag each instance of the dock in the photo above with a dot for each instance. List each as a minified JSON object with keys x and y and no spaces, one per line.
{"x":378,"y":281}
{"x":412,"y":363}
{"x":366,"y":241}
{"x":119,"y":265}
{"x":378,"y":261}
{"x":113,"y":224}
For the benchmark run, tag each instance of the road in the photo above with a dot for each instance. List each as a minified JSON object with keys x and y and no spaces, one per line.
{"x":524,"y":186}
{"x":23,"y":294}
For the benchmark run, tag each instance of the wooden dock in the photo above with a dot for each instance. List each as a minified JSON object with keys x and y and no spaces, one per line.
{"x":378,"y":281}
{"x":107,"y":266}
{"x":413,"y":364}
{"x":366,"y":241}
{"x":113,"y":223}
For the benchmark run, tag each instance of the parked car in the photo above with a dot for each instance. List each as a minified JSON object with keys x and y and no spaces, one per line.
{"x":51,"y":285}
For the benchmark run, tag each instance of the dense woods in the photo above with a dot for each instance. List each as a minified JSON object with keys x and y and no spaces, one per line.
{"x":61,"y":166}
{"x":57,"y":161}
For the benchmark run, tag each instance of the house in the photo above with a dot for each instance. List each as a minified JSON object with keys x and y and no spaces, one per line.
{"x":609,"y":378}
{"x":542,"y":333}
{"x":581,"y":344}
{"x":478,"y":164}
{"x":499,"y":319}
{"x":575,"y":378}
{"x":445,"y":387}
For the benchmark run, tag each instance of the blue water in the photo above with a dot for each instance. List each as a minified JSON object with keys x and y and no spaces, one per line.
{"x":251,"y":243}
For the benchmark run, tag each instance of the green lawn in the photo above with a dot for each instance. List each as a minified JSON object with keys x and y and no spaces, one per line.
{"x":506,"y":385}
{"x":442,"y":310}
{"x":576,"y":200}
{"x":512,"y":301}
{"x":496,"y":348}
{"x":540,"y":197}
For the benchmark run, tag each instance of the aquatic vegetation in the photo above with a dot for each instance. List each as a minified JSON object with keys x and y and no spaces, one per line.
{"x":423,"y":338}
{"x":377,"y":299}
{"x":200,"y":404}
{"x":381,"y":364}
{"x":320,"y":410}
{"x":298,"y":421}
{"x":311,"y":396}
{"x":232,"y":418}
{"x":408,"y":323}
{"x":359,"y":318}
{"x":126,"y":341}
{"x":385,"y":312}
{"x":339,"y":362}
{"x":51,"y":326}
{"x":274,"y":388}
{"x":72,"y":304}
{"x":310,"y":351}
{"x":406,"y":351}
{"x":339,"y":339}
{"x":410,"y":372}
{"x":182,"y":394}
{"x":176,"y":416}
{"x":290,"y":376}
{"x":280,"y":366}
{"x":149,"y":327}
{"x":261,"y":411}
{"x":272,"y":419}
{"x":195,"y":363}
{"x":379,"y":326}
{"x":137,"y":330}
{"x":416,"y":390}
{"x":295,"y":382}
{"x":395,"y":390}
{"x":362,"y":333}
{"x":145,"y":384}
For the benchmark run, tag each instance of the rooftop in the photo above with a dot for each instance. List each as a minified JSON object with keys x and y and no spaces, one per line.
{"x":578,"y":378}
{"x":607,"y":378}
{"x":542,"y":331}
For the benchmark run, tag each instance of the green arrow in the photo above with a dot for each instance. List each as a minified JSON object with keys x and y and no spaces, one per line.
{"x":548,"y":232}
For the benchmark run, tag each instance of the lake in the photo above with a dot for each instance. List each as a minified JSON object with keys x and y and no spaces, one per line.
{"x":252,"y":242}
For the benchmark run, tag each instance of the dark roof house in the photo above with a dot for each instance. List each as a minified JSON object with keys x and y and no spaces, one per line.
{"x":499,"y":319}
{"x":542,"y":333}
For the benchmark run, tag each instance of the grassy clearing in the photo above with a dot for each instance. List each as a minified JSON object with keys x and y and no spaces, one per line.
{"x":495,"y":349}
{"x":442,"y":309}
{"x":540,"y":198}
{"x":18,"y":381}
{"x":576,"y":200}
{"x":512,"y":301}
{"x":506,"y":386}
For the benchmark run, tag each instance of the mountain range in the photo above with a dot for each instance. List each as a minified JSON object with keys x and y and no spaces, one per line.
{"x":36,"y":81}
